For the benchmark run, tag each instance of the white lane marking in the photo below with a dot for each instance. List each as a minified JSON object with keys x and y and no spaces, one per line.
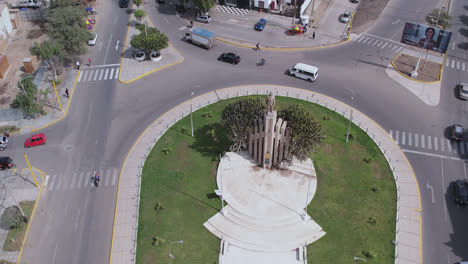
{"x":433,"y":155}
{"x":117,"y":45}
{"x":111,"y":72}
{"x":443,"y":187}
{"x":73,"y":180}
{"x":77,"y":218}
{"x":79,"y":77}
{"x":80,"y":180}
{"x":416,"y":140}
{"x":386,"y":43}
{"x":442,"y":145}
{"x":436,"y":144}
{"x":107,"y":51}
{"x":117,"y":73}
{"x":106,"y":65}
{"x":410,"y":139}
{"x":463,"y":66}
{"x":380,"y":43}
{"x":453,"y":63}
{"x":447,"y":63}
{"x":46,"y":180}
{"x":449,"y":146}
{"x":397,"y":135}
{"x":105,"y":75}
{"x":429,"y":142}
{"x":84,"y":76}
{"x":394,"y":47}
{"x":423,"y":143}
{"x":52,"y":182}
{"x":398,"y":20}
{"x":464,"y":170}
{"x":114,"y":177}
{"x":87,"y":179}
{"x":165,"y":19}
{"x":373,"y":44}
{"x":360,"y":39}
{"x":458,"y":65}
{"x":462,"y":148}
{"x":398,"y":49}
{"x":432,"y":191}
{"x":391,"y":133}
{"x":455,"y":147}
{"x":55,"y":254}
{"x":100,"y":75}
{"x":107,"y":177}
{"x":90,"y":75}
{"x":96,"y":75}
{"x":181,"y":28}
{"x":403,"y":138}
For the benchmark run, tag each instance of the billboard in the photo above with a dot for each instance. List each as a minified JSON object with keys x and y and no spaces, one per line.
{"x":423,"y":36}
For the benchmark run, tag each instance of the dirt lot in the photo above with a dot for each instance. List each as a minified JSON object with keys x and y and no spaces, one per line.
{"x":18,"y":49}
{"x":366,"y":14}
{"x":427,"y":72}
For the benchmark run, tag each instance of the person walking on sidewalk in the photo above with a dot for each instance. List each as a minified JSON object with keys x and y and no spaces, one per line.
{"x":66,"y":93}
{"x":313,"y":35}
{"x":89,"y":62}
{"x":78,"y":65}
{"x":257,"y":47}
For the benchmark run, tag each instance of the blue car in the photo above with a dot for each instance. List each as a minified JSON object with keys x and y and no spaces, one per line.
{"x":260,"y":24}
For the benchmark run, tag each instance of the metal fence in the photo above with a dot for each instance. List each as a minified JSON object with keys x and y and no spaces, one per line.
{"x":28,"y":14}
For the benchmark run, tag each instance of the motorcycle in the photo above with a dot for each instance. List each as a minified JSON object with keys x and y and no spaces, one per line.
{"x":261,"y":63}
{"x":96,"y":180}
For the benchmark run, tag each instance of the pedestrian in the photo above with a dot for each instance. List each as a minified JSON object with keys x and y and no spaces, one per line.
{"x":313,"y":35}
{"x":257,"y":47}
{"x":191,"y":23}
{"x":6,"y":132}
{"x":78,"y":65}
{"x":66,"y":93}
{"x":89,"y":60}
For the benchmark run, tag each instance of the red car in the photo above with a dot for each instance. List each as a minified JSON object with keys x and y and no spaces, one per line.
{"x":35,"y":140}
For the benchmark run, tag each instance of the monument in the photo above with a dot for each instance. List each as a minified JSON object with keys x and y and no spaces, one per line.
{"x":269,"y":140}
{"x":265,"y":218}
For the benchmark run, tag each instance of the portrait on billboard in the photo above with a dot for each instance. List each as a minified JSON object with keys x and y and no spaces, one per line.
{"x":427,"y":37}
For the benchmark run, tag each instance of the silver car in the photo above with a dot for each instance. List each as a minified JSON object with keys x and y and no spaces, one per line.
{"x":345,"y":17}
{"x":203,"y":18}
{"x":463,"y":91}
{"x":92,"y":41}
{"x":3,"y":142}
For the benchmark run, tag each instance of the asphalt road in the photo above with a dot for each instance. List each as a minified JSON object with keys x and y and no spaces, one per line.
{"x":105,"y":118}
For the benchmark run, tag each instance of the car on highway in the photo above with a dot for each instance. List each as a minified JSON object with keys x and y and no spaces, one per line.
{"x":260,"y":24}
{"x":3,"y":142}
{"x":345,"y":17}
{"x":456,"y":132}
{"x":180,"y":8}
{"x":229,"y":58}
{"x":93,"y":40}
{"x":6,"y":163}
{"x":463,"y":91}
{"x":203,"y":18}
{"x":123,"y":3}
{"x":35,"y":140}
{"x":460,"y":190}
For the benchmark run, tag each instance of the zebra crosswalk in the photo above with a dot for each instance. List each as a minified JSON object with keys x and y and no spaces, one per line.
{"x":232,"y":10}
{"x":432,"y":143}
{"x":457,"y":64}
{"x":105,"y":72}
{"x":381,"y":43}
{"x":80,"y":180}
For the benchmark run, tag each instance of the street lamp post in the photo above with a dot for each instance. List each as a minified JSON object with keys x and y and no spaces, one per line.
{"x":351,"y":115}
{"x":170,"y":248}
{"x":191,"y":119}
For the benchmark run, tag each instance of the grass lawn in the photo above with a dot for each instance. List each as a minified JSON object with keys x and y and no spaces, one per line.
{"x":180,"y":173}
{"x":15,"y":237}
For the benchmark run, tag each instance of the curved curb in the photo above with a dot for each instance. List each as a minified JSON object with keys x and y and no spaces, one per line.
{"x":412,"y":79}
{"x":408,"y":194}
{"x":125,"y":48}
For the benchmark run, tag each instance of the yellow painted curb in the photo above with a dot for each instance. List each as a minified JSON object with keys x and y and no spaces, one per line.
{"x":30,"y":222}
{"x":125,"y":48}
{"x":412,"y":79}
{"x":288,"y":87}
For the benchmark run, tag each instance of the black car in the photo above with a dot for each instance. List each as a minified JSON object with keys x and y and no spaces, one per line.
{"x":461,"y":192}
{"x":6,"y":163}
{"x":457,"y":132}
{"x":123,"y":3}
{"x":180,"y":8}
{"x":162,"y":1}
{"x":229,"y":57}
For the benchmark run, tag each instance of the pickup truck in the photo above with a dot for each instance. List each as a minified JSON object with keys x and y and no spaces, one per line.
{"x":27,"y":3}
{"x":201,"y":37}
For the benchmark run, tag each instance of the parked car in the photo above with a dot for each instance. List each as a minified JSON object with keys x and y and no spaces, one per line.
{"x":6,"y":163}
{"x":162,"y":1}
{"x":457,"y":132}
{"x":92,"y":41}
{"x":345,"y":17}
{"x":3,"y":142}
{"x":229,"y":58}
{"x":355,"y":1}
{"x":260,"y":24}
{"x":463,"y":91}
{"x":180,"y":8}
{"x":123,"y":3}
{"x":35,"y":140}
{"x":203,"y":18}
{"x":461,"y":192}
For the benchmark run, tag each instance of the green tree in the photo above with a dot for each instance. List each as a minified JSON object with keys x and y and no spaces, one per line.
{"x":49,"y":52}
{"x":439,"y":17}
{"x":67,"y":26}
{"x":149,"y":40}
{"x":29,"y":99}
{"x":138,"y":2}
{"x":306,"y":132}
{"x":204,"y":5}
{"x":139,"y":14}
{"x":238,"y":119}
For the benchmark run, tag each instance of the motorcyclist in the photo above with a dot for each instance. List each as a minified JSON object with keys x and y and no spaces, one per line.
{"x":262,"y":61}
{"x":97,"y":179}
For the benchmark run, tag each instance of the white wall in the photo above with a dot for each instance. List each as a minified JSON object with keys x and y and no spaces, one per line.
{"x":5,"y":23}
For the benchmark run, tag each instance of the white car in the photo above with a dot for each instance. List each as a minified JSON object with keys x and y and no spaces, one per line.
{"x":3,"y":142}
{"x":92,"y":41}
{"x":463,"y":91}
{"x":345,"y":17}
{"x":203,"y":18}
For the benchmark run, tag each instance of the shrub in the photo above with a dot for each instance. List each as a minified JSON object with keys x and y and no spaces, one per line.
{"x":12,"y":218}
{"x":369,"y":254}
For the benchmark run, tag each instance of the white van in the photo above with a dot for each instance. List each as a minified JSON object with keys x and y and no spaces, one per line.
{"x":304,"y":71}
